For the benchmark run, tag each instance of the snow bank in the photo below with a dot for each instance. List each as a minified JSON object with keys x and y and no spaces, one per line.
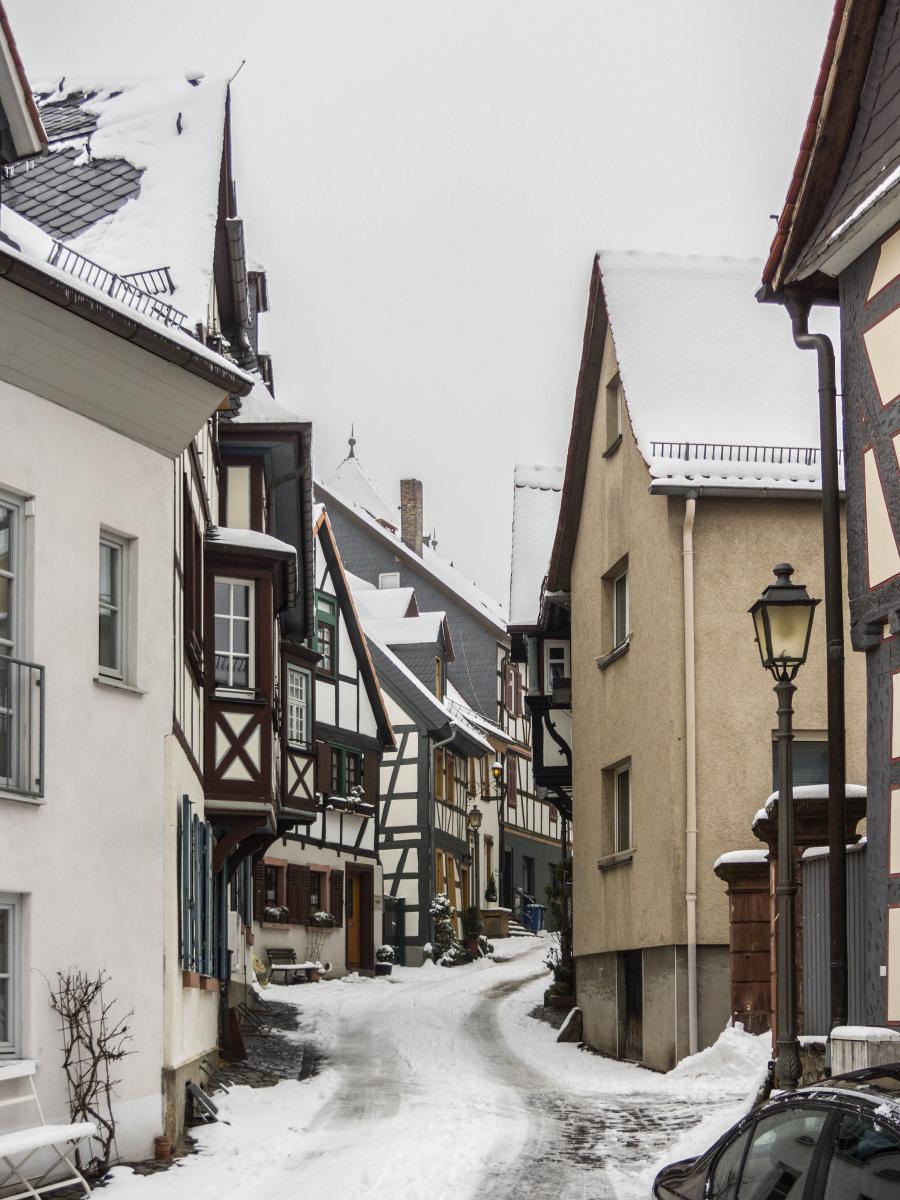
{"x":735,"y":1054}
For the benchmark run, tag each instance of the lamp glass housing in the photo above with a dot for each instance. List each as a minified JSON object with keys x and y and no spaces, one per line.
{"x":497,"y":771}
{"x":782,"y":622}
{"x":475,"y":817}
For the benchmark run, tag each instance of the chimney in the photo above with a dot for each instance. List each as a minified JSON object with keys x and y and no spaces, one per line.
{"x":411,"y":514}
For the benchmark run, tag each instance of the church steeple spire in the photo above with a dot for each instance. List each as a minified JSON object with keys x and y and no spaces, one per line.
{"x":351,"y":441}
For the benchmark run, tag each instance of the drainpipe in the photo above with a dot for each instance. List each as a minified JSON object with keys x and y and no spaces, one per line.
{"x":834,"y":636}
{"x":690,"y":754}
{"x":431,"y":757}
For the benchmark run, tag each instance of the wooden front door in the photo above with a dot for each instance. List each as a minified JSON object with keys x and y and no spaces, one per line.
{"x":354,"y":922}
{"x":451,"y":891}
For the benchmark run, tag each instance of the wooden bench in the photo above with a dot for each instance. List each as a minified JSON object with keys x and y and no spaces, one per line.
{"x":283,"y":962}
{"x":18,"y":1145}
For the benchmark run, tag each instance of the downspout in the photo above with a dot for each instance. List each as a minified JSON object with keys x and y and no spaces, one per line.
{"x":834,"y":636}
{"x":690,"y":758}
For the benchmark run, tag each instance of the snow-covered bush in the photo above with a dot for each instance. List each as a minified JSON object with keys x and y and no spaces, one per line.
{"x":275,"y":912}
{"x":385,"y":954}
{"x":442,"y":914}
{"x":325,"y":919}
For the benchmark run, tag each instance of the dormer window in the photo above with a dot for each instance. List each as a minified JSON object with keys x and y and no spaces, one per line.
{"x":245,"y":500}
{"x":389,"y":579}
{"x":615,"y":405}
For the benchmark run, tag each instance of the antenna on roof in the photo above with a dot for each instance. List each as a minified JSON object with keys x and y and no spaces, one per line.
{"x":351,"y":440}
{"x":238,"y":71}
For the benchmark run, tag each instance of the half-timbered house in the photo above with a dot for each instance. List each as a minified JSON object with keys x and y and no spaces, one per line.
{"x":434,"y":776}
{"x":334,"y":708}
{"x":838,"y":241}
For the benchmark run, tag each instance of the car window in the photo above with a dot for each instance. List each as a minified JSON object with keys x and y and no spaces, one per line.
{"x":780,"y":1155}
{"x":865,"y":1161}
{"x":724,"y":1179}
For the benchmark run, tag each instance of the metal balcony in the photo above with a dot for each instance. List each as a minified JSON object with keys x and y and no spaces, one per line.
{"x":21,"y":727}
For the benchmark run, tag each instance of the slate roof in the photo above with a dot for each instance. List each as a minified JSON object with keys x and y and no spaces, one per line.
{"x":66,"y":118}
{"x":873,"y":155}
{"x":64,"y":197}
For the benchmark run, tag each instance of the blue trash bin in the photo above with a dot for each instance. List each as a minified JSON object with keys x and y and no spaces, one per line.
{"x":534,"y":917}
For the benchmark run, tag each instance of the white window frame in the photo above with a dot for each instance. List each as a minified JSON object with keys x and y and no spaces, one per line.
{"x":11,"y":1047}
{"x":250,"y":585}
{"x":297,"y":706}
{"x":567,"y":666}
{"x":620,"y":636}
{"x":386,"y":576}
{"x":122,"y":549}
{"x":621,"y":846}
{"x":12,"y":645}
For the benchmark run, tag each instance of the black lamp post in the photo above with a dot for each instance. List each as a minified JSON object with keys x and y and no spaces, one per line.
{"x":783,"y":618}
{"x":474,"y":819}
{"x":497,"y":776}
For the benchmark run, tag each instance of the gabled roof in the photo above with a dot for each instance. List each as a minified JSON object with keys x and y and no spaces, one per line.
{"x":718,"y":400}
{"x":423,"y":705}
{"x":849,"y":147}
{"x":439,"y":572}
{"x":537,"y":492}
{"x":259,"y":407}
{"x":383,"y":603}
{"x":423,"y":629}
{"x":354,"y":626}
{"x":351,"y":480}
{"x":132,"y":178}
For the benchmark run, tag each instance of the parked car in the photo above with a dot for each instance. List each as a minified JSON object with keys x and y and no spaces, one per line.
{"x":836,"y":1140}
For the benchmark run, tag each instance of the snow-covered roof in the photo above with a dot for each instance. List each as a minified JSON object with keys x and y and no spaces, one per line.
{"x":536,"y":497}
{"x":463,"y":710}
{"x":810,"y":791}
{"x":383,"y":603}
{"x":249,"y":539}
{"x":442,"y":572}
{"x":353,"y":481}
{"x":32,"y":246}
{"x":259,"y":408}
{"x":424,"y":629}
{"x":168,"y":129}
{"x":715,"y":389}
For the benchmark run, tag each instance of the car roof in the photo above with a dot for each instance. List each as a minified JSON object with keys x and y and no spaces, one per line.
{"x":877,"y":1087}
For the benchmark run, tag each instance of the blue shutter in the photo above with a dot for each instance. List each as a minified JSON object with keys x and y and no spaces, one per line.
{"x":184,"y":881}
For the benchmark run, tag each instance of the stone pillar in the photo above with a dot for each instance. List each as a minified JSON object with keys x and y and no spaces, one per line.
{"x":746,"y":874}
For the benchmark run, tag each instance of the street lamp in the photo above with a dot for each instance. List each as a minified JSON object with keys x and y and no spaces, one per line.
{"x":783,"y":618}
{"x":497,"y":772}
{"x":474,"y":819}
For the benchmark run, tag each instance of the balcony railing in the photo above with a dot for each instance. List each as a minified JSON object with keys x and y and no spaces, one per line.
{"x":121,"y":287}
{"x":21,"y":727}
{"x":807,"y":456}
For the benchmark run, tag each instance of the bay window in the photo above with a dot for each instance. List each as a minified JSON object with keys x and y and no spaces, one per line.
{"x":234,"y":604}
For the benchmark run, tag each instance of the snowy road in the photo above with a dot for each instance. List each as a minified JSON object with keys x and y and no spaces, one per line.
{"x":440,"y":1084}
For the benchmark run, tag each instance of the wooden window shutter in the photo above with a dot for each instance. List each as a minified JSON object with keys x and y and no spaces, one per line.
{"x":337,"y":896}
{"x":259,"y":890}
{"x":303,"y":913}
{"x":511,"y":781}
{"x":371,"y":772}
{"x":324,"y":769}
{"x":293,"y":892}
{"x":509,"y":689}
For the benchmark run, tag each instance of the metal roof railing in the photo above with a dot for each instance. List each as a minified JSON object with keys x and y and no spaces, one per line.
{"x":121,"y":287}
{"x":724,"y":452}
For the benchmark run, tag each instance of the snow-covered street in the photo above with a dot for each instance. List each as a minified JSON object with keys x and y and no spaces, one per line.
{"x":440,"y":1083}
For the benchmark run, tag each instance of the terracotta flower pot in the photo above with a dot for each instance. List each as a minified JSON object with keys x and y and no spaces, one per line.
{"x":162,"y":1148}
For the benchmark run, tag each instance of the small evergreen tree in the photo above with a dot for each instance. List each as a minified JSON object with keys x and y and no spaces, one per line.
{"x":442,"y":913}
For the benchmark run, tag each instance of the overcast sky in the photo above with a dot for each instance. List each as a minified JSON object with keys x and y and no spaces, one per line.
{"x":426,"y":186}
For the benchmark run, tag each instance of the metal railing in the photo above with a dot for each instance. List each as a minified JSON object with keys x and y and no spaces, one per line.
{"x":723,"y":452}
{"x":120,"y":287}
{"x":21,"y":727}
{"x":154,"y":282}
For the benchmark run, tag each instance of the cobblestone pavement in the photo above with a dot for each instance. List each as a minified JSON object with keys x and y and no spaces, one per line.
{"x":275,"y":1054}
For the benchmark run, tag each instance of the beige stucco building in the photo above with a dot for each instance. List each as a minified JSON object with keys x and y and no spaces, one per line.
{"x":663,"y":546}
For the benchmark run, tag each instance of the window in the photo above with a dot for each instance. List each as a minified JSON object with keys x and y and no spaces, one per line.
{"x":318,"y":891}
{"x":9,"y":975}
{"x":113,"y":607}
{"x":556,"y":664}
{"x":346,"y":771}
{"x":727,"y":1170}
{"x":780,"y":1155}
{"x":439,"y":678}
{"x":512,"y":690}
{"x":298,"y":714}
{"x":234,"y":633}
{"x":389,"y":579}
{"x":620,"y":609}
{"x":10,"y":576}
{"x":865,"y":1161}
{"x":192,"y":582}
{"x":326,"y":634}
{"x":439,"y":774}
{"x":810,"y":760}
{"x":450,"y":777}
{"x":615,"y":404}
{"x":622,"y":810}
{"x":237,"y":502}
{"x":272,"y":888}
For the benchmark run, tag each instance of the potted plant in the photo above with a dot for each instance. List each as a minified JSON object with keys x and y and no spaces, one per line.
{"x":471,"y":924}
{"x":276,"y":914}
{"x":384,"y":960}
{"x":490,"y":892}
